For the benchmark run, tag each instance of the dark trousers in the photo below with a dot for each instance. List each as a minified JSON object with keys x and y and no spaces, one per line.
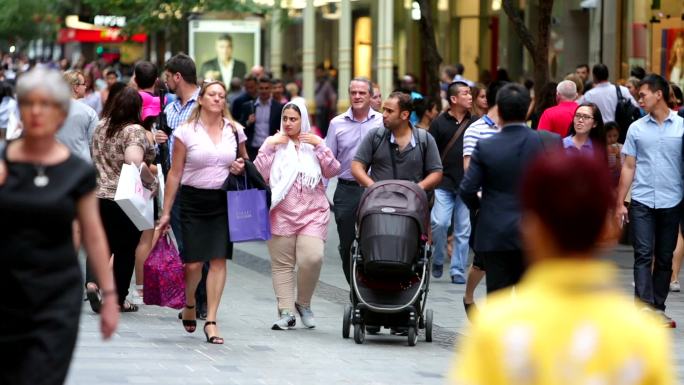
{"x":346,"y":201}
{"x":654,"y":232}
{"x":323,"y":120}
{"x":504,"y":268}
{"x":123,"y":238}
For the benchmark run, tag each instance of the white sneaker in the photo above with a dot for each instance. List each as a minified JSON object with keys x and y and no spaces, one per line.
{"x":306,"y":315}
{"x":287,"y":320}
{"x":675,"y":286}
{"x":666,"y":321}
{"x":661,"y":317}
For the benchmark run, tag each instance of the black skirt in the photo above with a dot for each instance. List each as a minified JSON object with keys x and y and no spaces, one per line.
{"x":204,"y":223}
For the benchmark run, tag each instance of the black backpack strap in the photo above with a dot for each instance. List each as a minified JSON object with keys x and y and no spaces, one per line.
{"x":378,"y":138}
{"x":394,"y":161}
{"x":619,"y":94}
{"x":422,"y":145}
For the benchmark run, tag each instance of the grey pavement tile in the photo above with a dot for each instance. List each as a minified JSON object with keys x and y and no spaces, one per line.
{"x":151,"y":347}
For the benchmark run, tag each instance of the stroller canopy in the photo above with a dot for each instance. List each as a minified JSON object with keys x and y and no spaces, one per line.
{"x":396,"y":197}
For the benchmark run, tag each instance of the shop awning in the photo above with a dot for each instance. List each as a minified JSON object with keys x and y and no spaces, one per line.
{"x":105,"y":35}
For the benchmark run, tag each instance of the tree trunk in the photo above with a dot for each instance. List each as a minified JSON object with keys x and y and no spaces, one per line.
{"x":431,"y":57}
{"x":539,"y":48}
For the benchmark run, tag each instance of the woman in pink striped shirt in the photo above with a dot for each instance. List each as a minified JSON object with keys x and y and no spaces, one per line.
{"x":294,"y":162}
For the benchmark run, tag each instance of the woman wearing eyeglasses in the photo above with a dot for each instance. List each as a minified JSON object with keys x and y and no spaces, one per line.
{"x":587,"y":134}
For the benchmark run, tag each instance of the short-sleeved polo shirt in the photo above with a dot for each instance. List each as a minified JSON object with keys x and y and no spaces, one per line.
{"x":409,"y":160}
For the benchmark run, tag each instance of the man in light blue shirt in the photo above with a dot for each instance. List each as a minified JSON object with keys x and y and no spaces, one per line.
{"x":653,"y":169}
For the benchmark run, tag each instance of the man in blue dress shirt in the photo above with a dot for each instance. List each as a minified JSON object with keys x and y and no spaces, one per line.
{"x":653,"y":169}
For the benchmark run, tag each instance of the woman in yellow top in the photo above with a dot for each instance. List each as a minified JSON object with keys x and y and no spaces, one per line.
{"x":569,"y":323}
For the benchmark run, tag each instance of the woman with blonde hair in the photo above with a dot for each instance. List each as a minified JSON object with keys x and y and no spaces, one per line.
{"x":207,"y":148}
{"x":294,"y":162}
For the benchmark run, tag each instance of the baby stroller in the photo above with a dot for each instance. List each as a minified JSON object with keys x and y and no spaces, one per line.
{"x":390,"y":263}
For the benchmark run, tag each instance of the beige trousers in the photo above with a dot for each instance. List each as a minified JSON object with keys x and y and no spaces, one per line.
{"x":306,"y":253}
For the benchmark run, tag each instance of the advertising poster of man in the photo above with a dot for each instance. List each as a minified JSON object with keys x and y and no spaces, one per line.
{"x":224,"y":49}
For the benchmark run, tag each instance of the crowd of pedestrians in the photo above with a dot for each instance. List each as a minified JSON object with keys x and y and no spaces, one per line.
{"x":472,"y":152}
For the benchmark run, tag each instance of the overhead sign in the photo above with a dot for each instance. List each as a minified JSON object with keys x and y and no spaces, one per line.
{"x":110,"y":21}
{"x":106,"y":35}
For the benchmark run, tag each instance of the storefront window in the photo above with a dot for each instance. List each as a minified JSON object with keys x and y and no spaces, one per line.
{"x":656,"y":37}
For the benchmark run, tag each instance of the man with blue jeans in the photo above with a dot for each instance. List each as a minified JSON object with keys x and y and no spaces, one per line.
{"x":448,"y":129}
{"x":653,"y":169}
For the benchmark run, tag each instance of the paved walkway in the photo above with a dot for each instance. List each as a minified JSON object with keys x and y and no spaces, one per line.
{"x":151,"y":347}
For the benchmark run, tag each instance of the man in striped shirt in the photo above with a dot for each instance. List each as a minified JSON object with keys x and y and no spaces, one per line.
{"x":488,"y":125}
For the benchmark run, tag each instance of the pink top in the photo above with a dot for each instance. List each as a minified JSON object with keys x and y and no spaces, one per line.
{"x":303,"y":211}
{"x":206,"y":163}
{"x":558,"y":118}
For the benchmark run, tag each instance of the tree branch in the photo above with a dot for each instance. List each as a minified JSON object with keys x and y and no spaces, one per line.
{"x":431,"y":56}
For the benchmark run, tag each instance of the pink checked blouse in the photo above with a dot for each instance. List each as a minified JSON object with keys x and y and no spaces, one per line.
{"x":304,"y":211}
{"x":206,"y":163}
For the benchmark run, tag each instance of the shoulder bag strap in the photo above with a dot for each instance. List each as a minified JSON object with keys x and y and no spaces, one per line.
{"x":461,"y":127}
{"x":237,"y":140}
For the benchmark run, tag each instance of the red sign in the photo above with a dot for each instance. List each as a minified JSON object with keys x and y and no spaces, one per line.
{"x":106,"y":35}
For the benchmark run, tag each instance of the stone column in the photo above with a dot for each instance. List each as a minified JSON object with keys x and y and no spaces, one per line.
{"x":385,"y":45}
{"x":345,"y":56}
{"x":276,"y":41}
{"x":309,"y":56}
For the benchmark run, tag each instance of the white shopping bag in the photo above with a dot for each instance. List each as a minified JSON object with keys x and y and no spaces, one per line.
{"x":135,"y":200}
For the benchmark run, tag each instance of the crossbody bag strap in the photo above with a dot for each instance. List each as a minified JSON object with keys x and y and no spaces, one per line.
{"x":461,"y":127}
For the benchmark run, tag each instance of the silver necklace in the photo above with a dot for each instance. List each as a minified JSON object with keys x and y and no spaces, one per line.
{"x":40,"y":180}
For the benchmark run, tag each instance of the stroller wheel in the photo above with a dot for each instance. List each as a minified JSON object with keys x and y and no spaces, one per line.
{"x":346,"y":321}
{"x":359,"y":333}
{"x":428,"y":325}
{"x":412,"y":336}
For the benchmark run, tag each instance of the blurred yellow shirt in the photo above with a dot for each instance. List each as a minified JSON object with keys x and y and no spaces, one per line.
{"x":568,"y":325}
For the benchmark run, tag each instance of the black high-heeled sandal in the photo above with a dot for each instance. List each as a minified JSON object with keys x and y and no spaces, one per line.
{"x":189,"y":325}
{"x":216,"y":340}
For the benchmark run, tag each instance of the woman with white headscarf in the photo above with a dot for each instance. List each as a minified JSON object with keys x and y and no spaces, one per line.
{"x":294,"y":162}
